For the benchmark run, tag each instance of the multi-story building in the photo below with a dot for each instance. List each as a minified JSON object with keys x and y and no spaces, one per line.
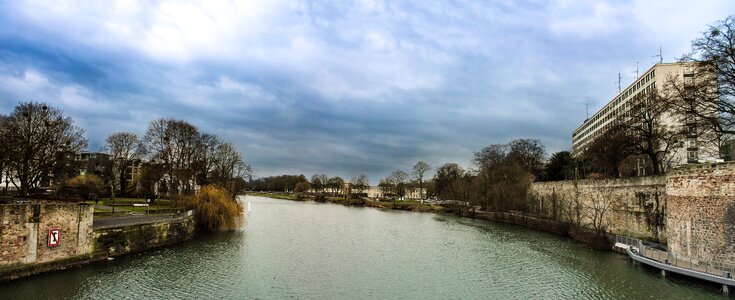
{"x":652,"y":80}
{"x":80,"y":163}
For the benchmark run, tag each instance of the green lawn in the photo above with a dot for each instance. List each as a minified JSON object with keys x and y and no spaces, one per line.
{"x":127,"y":204}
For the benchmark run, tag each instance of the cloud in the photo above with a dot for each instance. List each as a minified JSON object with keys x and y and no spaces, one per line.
{"x":341,"y":88}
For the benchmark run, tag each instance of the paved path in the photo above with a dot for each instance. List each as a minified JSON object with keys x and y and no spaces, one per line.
{"x":109,"y":208}
{"x":119,"y":221}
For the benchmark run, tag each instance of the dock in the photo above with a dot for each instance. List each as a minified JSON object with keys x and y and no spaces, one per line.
{"x":668,"y":263}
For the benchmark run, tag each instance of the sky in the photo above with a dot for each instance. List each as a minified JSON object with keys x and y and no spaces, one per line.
{"x":340,"y":87}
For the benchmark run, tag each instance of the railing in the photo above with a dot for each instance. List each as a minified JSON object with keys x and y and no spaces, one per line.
{"x":711,"y":268}
{"x":450,"y":202}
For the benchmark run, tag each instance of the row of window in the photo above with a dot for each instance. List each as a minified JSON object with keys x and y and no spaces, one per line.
{"x":621,"y":97}
{"x":610,"y":113}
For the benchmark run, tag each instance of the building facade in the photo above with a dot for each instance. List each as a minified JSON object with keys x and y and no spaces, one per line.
{"x":653,"y":80}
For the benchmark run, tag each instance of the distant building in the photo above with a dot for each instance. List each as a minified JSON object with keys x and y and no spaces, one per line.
{"x":653,"y":80}
{"x":81,"y":163}
{"x":68,"y":165}
{"x":411,"y":193}
{"x":375,"y":192}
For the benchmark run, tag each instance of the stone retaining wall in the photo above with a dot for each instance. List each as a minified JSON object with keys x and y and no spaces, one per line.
{"x":128,"y":239}
{"x":24,"y":234}
{"x":24,"y":231}
{"x":631,"y":206}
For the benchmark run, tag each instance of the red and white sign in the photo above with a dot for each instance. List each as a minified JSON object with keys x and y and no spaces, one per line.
{"x":53,"y":237}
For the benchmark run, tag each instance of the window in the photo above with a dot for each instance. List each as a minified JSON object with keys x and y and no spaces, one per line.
{"x":691,"y":143}
{"x":688,"y":71}
{"x":692,"y":155}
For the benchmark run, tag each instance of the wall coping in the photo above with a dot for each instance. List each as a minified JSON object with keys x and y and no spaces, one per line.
{"x":661,"y":178}
{"x":49,"y":202}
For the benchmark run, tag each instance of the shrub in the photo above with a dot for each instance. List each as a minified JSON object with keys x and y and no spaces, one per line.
{"x":320,"y":197}
{"x":215,"y":209}
{"x":302,"y":187}
{"x":87,"y":187}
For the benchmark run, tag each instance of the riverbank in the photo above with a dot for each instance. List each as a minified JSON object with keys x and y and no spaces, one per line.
{"x":407,"y":205}
{"x":584,"y":235}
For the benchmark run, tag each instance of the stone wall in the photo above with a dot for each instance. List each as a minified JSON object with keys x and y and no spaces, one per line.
{"x":135,"y":238}
{"x":701,"y":212}
{"x":24,"y":230}
{"x":631,"y":206}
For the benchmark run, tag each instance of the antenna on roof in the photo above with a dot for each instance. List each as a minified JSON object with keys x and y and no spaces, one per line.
{"x":587,"y":106}
{"x":636,"y":70}
{"x":660,"y":55}
{"x":618,"y":82}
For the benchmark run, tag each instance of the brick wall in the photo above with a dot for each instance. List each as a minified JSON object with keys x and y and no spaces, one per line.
{"x":24,"y":230}
{"x":701,"y":213}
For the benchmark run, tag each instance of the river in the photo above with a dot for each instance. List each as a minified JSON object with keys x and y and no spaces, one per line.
{"x":305,"y":250}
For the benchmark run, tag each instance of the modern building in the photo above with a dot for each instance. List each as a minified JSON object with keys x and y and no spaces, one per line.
{"x":652,"y":80}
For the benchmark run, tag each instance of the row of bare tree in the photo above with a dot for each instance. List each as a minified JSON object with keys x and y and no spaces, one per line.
{"x":187,"y":156}
{"x":37,"y":137}
{"x":398,"y":183}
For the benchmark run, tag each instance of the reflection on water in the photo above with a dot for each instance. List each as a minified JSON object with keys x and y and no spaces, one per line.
{"x":317,"y":251}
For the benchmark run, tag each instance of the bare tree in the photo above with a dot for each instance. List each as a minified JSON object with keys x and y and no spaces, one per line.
{"x":336,"y":184}
{"x":530,"y":152}
{"x":449,"y":181}
{"x":695,"y":99}
{"x":210,"y":144}
{"x":360,"y":183}
{"x":177,"y":145}
{"x":713,"y":85}
{"x":607,"y":152}
{"x":572,"y":208}
{"x":419,"y":169}
{"x":398,"y":180}
{"x":35,"y":134}
{"x":124,"y":149}
{"x":4,"y":152}
{"x":319,"y":181}
{"x":506,"y":172}
{"x":596,"y":211}
{"x":653,"y":136}
{"x":228,"y":166}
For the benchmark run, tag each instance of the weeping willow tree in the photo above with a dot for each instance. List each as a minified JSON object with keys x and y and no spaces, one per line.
{"x":216,"y":210}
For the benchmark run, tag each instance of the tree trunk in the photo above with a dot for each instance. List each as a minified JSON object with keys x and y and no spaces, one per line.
{"x":24,"y":177}
{"x":123,"y":182}
{"x":654,"y":161}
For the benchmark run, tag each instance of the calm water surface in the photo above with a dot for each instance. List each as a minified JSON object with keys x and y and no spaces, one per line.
{"x":298,"y":250}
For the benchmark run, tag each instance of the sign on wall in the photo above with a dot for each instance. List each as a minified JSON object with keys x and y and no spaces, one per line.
{"x":53,"y":237}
